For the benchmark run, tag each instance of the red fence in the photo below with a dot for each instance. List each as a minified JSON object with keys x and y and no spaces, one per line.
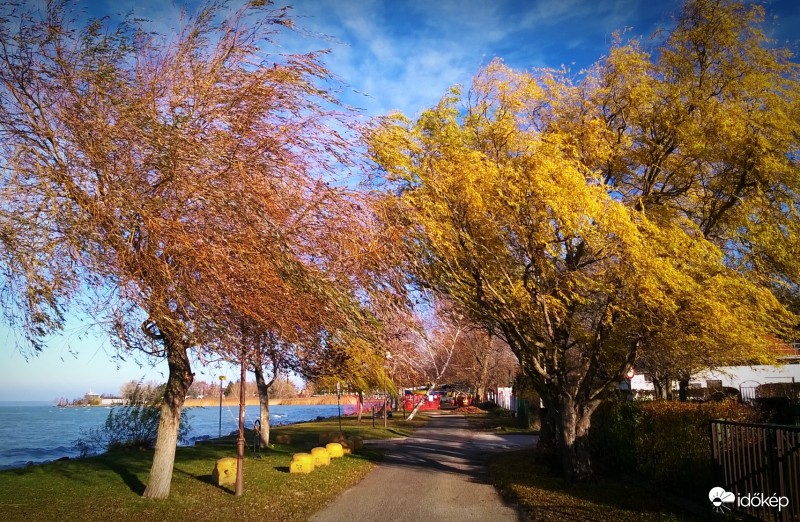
{"x":429,"y":402}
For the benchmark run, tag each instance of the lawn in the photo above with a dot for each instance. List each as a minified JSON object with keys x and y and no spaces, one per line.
{"x":522,"y":478}
{"x":496,"y":420}
{"x":109,"y":486}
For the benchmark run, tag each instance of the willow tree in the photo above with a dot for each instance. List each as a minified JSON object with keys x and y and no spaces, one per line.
{"x":37,"y":277}
{"x":482,"y":361}
{"x":590,"y":224}
{"x":706,"y":132}
{"x":355,"y":363}
{"x":163,"y":166}
{"x":435,"y":339}
{"x":318,"y":316}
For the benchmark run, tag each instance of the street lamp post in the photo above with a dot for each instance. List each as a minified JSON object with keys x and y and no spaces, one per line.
{"x":338,"y":403}
{"x":386,"y":356}
{"x":221,"y":378}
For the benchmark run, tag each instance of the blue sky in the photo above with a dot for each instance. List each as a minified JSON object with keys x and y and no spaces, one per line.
{"x":394,"y":55}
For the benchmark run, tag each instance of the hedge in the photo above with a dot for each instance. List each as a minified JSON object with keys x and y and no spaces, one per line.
{"x":665,"y":443}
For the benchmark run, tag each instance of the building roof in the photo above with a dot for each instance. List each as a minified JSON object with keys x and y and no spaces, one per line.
{"x":783,"y":350}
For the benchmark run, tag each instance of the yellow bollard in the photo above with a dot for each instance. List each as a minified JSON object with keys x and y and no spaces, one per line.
{"x":335,"y":450}
{"x":224,"y":472}
{"x":302,"y":463}
{"x":321,"y":457}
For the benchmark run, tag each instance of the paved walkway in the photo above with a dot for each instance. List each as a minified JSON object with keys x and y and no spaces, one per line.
{"x":439,"y":474}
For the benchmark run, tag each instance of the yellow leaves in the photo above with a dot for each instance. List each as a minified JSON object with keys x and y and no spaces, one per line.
{"x":546,"y":203}
{"x":391,"y":146}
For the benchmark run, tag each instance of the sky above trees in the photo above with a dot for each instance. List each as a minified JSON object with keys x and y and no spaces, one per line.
{"x":391,"y":55}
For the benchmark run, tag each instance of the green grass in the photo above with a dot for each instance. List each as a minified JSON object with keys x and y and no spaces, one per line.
{"x":309,"y":432}
{"x":109,"y":486}
{"x":497,"y":420}
{"x":521,"y":478}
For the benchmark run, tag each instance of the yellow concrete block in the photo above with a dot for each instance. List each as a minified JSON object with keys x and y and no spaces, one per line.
{"x":301,"y":463}
{"x":321,"y":457}
{"x":335,"y":449}
{"x":224,"y":472}
{"x":303,"y":457}
{"x":300,"y":466}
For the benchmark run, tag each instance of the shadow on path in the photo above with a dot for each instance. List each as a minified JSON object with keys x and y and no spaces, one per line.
{"x":440,"y":473}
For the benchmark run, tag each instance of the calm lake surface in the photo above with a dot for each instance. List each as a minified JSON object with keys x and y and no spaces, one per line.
{"x":39,"y":432}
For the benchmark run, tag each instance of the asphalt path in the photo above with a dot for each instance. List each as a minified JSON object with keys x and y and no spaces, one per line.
{"x":438,"y":474}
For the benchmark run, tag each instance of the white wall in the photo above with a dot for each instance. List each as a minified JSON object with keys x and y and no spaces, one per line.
{"x":734,"y":376}
{"x":503,"y":398}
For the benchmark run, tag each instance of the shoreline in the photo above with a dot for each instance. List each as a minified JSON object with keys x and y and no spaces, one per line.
{"x":318,"y":400}
{"x":197,"y":437}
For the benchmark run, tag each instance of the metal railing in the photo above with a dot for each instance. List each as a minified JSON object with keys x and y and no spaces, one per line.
{"x":759,"y":463}
{"x":748,"y":394}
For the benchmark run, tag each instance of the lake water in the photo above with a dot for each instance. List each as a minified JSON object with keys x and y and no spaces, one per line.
{"x":40,"y":432}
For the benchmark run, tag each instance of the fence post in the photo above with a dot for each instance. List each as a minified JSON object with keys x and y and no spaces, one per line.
{"x":758,"y":459}
{"x":714,"y":442}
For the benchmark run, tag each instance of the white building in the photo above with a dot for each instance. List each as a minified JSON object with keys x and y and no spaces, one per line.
{"x":743,"y":378}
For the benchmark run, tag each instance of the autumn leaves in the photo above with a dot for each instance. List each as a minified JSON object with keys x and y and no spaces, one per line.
{"x":645,"y":210}
{"x":642,"y":212}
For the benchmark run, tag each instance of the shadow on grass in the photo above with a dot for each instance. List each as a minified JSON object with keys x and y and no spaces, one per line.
{"x":282,"y":469}
{"x":207,"y":479}
{"x":128,"y":477}
{"x":523,"y":478}
{"x":128,"y":464}
{"x":371,"y":454}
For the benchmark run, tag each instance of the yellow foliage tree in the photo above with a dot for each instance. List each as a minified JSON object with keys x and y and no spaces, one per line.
{"x":590,"y":224}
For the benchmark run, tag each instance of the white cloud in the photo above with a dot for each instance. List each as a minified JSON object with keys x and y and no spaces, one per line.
{"x":406,"y":56}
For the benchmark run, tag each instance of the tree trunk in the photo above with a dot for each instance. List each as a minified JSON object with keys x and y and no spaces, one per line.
{"x":662,"y":386}
{"x":483,"y":378}
{"x":659,"y":388}
{"x":360,"y":405}
{"x":548,"y":418}
{"x":178,"y":382}
{"x":263,"y":400}
{"x":575,"y":419}
{"x":683,"y":390}
{"x":240,"y":440}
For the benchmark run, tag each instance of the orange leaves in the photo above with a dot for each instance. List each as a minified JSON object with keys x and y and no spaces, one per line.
{"x":192,"y":166}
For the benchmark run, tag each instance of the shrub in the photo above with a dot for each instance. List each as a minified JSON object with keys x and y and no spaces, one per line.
{"x":133,"y":426}
{"x":666,"y":443}
{"x":527,"y":402}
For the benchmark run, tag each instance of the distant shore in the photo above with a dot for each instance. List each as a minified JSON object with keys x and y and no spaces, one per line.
{"x":316,"y":400}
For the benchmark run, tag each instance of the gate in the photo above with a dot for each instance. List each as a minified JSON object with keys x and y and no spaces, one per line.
{"x":758,"y":462}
